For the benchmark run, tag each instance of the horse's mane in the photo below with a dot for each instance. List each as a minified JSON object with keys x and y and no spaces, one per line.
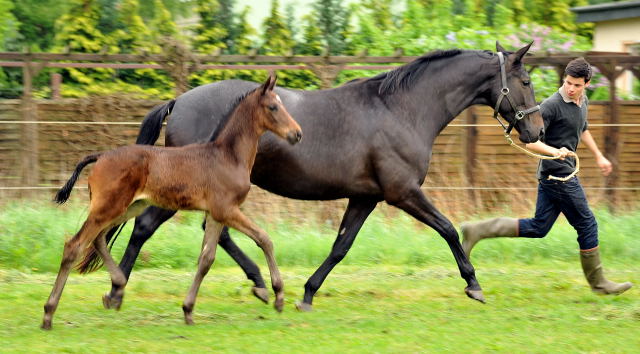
{"x":406,"y":76}
{"x":227,"y":116}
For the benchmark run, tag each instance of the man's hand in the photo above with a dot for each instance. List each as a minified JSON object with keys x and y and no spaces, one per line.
{"x":562,"y":153}
{"x":605,"y":165}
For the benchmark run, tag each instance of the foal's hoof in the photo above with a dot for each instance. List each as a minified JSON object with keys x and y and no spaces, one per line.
{"x":304,"y":307}
{"x":111,"y":302}
{"x":46,"y":325}
{"x":278,"y":304}
{"x":475,"y":294}
{"x":261,"y":293}
{"x":188,"y":320}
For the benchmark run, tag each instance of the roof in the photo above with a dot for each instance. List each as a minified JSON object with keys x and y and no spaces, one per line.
{"x":607,"y":11}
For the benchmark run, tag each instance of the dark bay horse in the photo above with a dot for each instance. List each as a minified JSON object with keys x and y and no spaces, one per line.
{"x":213,"y":177}
{"x":369,"y":141}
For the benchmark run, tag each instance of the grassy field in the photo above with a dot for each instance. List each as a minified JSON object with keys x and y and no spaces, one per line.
{"x":398,"y":290}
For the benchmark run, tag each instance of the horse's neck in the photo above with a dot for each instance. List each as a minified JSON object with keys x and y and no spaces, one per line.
{"x":448,"y":97}
{"x":239,"y":137}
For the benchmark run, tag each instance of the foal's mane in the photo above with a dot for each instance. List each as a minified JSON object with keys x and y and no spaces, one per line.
{"x":227,"y":116}
{"x":407,"y":75}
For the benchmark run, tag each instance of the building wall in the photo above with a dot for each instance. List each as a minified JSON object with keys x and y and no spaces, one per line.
{"x":619,"y":36}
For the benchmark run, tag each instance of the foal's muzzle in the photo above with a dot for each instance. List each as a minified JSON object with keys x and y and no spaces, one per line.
{"x":294,"y":137}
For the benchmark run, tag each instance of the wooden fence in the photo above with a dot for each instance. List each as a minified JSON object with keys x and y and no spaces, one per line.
{"x":473,"y":169}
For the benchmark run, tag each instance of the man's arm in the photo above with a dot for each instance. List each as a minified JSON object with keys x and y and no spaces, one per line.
{"x":601,"y":161}
{"x":544,"y":149}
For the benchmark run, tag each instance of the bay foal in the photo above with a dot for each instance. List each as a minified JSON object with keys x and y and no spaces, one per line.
{"x":213,"y":177}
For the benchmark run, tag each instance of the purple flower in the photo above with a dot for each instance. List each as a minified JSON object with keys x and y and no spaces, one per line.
{"x":451,"y":36}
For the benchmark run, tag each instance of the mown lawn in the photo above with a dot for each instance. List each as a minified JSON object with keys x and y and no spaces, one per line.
{"x":541,"y":308}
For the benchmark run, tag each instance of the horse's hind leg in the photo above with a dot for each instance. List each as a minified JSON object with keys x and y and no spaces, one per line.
{"x":146,"y":224}
{"x":417,"y":205}
{"x":117,"y":277}
{"x":240,"y":222}
{"x":72,"y":249}
{"x":113,"y":299}
{"x":207,"y":255}
{"x":357,"y":212}
{"x":248,"y":266}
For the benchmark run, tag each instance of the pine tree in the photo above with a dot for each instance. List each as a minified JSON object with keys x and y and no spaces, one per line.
{"x":277,"y":39}
{"x":162,"y":24}
{"x":210,"y":35}
{"x":333,"y":20}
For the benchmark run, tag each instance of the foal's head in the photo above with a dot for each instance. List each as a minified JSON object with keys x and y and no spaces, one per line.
{"x":273,"y":116}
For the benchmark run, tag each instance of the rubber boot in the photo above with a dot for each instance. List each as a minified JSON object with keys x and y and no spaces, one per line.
{"x":593,"y":272}
{"x":472,"y":232}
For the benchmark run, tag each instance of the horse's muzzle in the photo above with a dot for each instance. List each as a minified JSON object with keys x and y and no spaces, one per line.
{"x":294,"y":137}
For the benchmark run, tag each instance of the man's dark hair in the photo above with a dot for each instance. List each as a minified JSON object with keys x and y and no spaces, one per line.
{"x":579,"y":68}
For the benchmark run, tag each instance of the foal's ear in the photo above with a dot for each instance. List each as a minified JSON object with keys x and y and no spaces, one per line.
{"x":273,"y":82}
{"x":268,"y":85}
{"x":517,"y":58}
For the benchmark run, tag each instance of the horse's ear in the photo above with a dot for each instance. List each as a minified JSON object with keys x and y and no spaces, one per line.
{"x":274,"y":78}
{"x":499,"y":48}
{"x":267,"y":85}
{"x":520,"y":53}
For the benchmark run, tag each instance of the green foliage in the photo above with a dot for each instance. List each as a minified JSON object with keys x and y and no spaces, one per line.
{"x":333,"y":20}
{"x":36,"y":19}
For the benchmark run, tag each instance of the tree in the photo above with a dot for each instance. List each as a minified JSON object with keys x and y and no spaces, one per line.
{"x":162,"y":24}
{"x":210,"y":36}
{"x":333,"y":20}
{"x":277,"y":39}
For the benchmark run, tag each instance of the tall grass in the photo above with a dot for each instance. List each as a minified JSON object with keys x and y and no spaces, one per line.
{"x":32,"y":237}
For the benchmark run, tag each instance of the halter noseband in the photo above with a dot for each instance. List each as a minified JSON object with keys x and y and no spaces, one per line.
{"x":505,"y":93}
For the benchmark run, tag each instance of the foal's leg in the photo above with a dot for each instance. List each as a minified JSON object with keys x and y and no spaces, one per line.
{"x":248,"y":266}
{"x":145,"y":225}
{"x":117,"y":277}
{"x":417,"y":205}
{"x":207,"y":255}
{"x":357,"y":212}
{"x":72,"y":250}
{"x":237,"y":220}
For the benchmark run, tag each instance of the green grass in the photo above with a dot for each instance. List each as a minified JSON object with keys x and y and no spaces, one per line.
{"x":538,"y":309}
{"x":32,"y":237}
{"x":398,"y":290}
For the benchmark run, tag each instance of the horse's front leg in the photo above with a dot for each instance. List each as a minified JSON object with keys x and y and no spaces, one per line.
{"x":357,"y":212}
{"x":417,"y":205}
{"x":207,"y":256}
{"x":237,"y":220}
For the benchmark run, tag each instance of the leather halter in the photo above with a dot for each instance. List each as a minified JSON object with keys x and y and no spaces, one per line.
{"x":505,"y":93}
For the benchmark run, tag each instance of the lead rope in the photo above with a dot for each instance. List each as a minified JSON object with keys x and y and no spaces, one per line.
{"x":545,"y":157}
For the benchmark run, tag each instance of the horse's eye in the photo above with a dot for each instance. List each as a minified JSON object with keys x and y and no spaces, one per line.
{"x":273,"y":107}
{"x":526,"y":82}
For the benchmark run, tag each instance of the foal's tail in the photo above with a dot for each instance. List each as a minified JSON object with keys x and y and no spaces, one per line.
{"x":65,"y":191}
{"x":152,"y":123}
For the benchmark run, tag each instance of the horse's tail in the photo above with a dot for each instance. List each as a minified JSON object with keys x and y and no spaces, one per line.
{"x":91,"y":260}
{"x":65,"y":191}
{"x":152,"y":123}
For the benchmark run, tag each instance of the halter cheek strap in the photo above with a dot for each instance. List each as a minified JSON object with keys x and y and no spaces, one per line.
{"x":504,"y":92}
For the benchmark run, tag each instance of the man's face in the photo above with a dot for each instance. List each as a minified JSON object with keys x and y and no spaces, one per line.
{"x":574,"y":87}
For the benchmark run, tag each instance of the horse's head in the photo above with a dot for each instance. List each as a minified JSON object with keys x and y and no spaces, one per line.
{"x":274,"y":116}
{"x":514,"y":98}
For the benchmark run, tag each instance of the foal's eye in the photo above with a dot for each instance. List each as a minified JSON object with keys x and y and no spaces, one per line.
{"x":273,"y":107}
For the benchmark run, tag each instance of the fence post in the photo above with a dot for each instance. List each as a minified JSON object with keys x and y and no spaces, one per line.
{"x":471,"y":141}
{"x":56,"y":81}
{"x":29,"y":137}
{"x":326,"y":73}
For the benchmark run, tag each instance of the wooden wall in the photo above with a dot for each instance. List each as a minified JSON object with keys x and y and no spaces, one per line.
{"x":473,"y":169}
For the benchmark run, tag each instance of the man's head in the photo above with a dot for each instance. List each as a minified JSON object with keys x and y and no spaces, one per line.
{"x":577,"y":75}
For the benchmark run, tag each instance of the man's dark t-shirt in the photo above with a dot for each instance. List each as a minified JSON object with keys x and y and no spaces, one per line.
{"x":564,"y":123}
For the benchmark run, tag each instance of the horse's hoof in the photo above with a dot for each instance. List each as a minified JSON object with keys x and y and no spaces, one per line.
{"x":304,"y":307}
{"x":261,"y":293}
{"x":475,"y":294}
{"x":111,"y":302}
{"x":279,"y":305}
{"x":46,"y":325}
{"x":188,"y":320}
